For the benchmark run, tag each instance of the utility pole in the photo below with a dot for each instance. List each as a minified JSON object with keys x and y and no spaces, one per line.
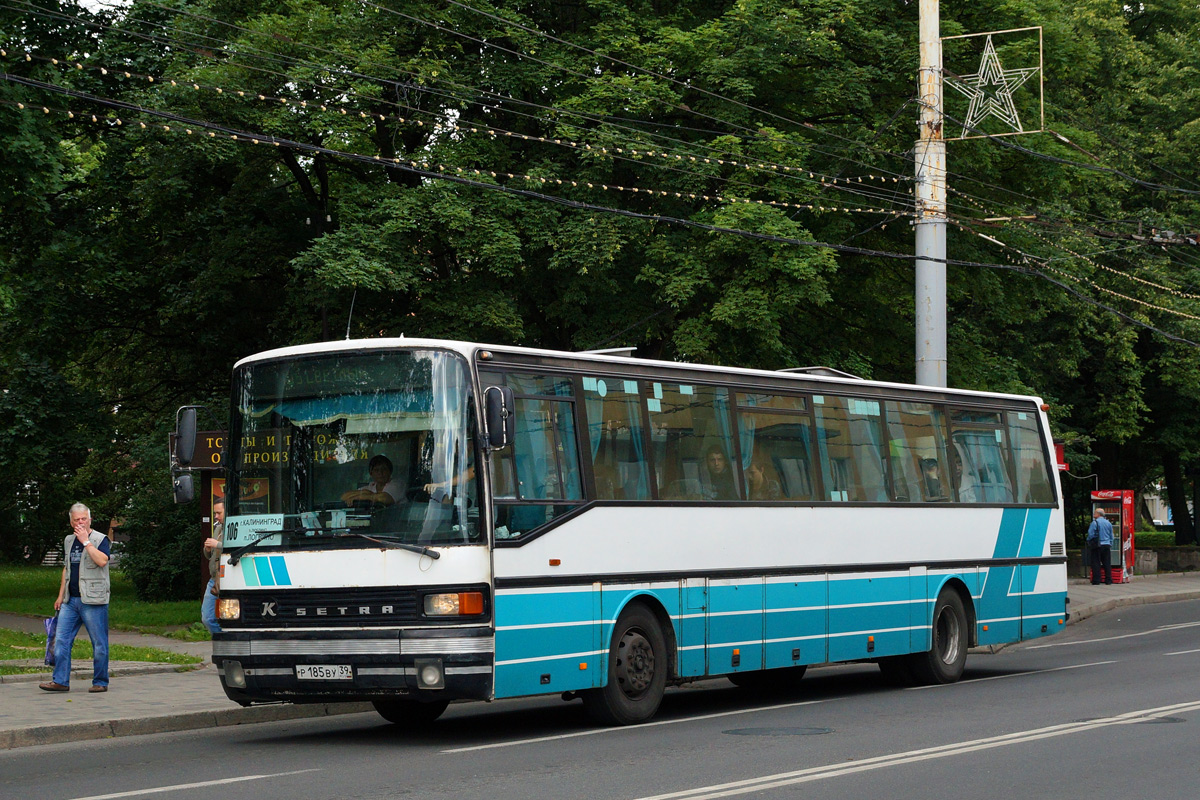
{"x":930,"y":158}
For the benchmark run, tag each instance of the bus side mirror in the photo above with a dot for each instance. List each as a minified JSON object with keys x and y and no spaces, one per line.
{"x":185,"y":435}
{"x":498,"y":411}
{"x":185,"y":490}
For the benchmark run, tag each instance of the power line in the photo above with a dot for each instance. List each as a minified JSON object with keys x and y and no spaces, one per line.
{"x":426,"y":172}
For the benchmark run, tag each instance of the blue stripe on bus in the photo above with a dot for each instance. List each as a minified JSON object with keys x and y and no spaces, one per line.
{"x":558,"y":640}
{"x":279,"y":570}
{"x":249,"y":573}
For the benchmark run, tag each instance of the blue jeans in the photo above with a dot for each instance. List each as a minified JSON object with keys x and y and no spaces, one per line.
{"x":208,"y":609}
{"x":71,"y":615}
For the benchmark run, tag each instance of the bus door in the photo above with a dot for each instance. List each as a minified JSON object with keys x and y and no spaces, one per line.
{"x":692,"y":655}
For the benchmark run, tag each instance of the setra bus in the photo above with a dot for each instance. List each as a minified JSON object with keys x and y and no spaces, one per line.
{"x":414,"y":521}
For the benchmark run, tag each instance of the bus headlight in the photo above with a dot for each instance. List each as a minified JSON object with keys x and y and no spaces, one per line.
{"x":461,"y":604}
{"x":229,"y":609}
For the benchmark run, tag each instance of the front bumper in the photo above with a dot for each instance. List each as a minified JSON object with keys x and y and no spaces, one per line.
{"x":260,"y":666}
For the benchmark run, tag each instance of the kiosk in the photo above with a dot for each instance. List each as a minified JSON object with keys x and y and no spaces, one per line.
{"x":1119,"y":509}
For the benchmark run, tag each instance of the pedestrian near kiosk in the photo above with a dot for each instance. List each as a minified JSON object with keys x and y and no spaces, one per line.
{"x":82,"y":601}
{"x":212,"y":551}
{"x":1100,"y":539}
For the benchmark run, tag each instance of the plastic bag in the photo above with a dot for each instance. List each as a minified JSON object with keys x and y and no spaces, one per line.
{"x":51,"y":629}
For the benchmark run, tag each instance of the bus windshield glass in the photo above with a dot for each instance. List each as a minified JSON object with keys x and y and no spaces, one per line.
{"x":351,"y":451}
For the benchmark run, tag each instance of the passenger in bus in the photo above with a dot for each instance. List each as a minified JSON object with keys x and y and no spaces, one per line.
{"x":443,"y":491}
{"x":933,"y":479}
{"x":720,"y":484}
{"x":381,"y":488}
{"x":760,"y":484}
{"x":968,"y":485}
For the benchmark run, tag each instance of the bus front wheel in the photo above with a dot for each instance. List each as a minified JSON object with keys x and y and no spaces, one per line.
{"x":637,"y":671}
{"x":948,"y":651}
{"x":409,"y":712}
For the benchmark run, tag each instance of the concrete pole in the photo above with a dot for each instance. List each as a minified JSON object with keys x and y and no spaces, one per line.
{"x":930,"y":157}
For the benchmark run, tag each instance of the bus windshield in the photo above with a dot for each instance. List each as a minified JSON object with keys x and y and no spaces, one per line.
{"x":350,"y":450}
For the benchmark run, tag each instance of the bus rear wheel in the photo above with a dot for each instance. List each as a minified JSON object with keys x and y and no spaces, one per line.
{"x":637,"y":671}
{"x":948,"y":650}
{"x":409,"y":712}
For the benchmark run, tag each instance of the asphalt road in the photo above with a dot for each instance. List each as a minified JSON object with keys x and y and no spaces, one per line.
{"x":1111,"y":708}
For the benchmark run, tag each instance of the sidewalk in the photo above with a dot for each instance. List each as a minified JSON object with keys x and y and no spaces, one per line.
{"x":142,"y":697}
{"x":157,"y":698}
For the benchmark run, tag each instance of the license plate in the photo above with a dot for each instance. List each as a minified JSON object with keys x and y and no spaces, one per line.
{"x":324,"y":672}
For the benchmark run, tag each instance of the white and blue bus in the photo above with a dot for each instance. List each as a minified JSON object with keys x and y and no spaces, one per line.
{"x":415,"y":521}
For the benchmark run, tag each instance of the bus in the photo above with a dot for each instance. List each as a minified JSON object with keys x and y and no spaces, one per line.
{"x":415,"y":521}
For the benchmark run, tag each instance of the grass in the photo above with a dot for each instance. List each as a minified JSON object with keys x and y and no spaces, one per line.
{"x":32,"y":590}
{"x":16,"y":645}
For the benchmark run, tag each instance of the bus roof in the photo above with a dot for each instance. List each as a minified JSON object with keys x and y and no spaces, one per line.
{"x":469,"y":349}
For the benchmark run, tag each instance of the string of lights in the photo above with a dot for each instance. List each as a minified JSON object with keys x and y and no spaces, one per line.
{"x":756,"y":134}
{"x":433,"y":171}
{"x":817,"y":180}
{"x":1103,"y":267}
{"x":784,"y":170}
{"x":1004,"y":142}
{"x":423,"y":167}
{"x":1077,"y":279}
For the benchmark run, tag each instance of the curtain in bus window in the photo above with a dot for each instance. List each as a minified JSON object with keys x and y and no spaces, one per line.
{"x":614,"y":422}
{"x":693,"y":442}
{"x":777,"y":447}
{"x":775,"y":435}
{"x":981,"y":465}
{"x":917,"y":448}
{"x":1033,"y":470}
{"x":850,"y":441}
{"x":544,"y":450}
{"x":452,"y":465}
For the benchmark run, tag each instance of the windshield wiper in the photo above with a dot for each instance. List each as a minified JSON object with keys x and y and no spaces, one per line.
{"x":414,"y":548}
{"x":238,"y":553}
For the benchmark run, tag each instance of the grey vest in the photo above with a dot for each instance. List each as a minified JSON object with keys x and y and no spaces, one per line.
{"x":94,"y":587}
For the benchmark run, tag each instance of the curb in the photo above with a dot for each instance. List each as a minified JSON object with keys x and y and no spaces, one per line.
{"x":85,"y":731}
{"x":1117,"y":602}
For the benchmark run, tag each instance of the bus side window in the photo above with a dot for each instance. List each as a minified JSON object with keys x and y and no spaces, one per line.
{"x":1034,"y":484}
{"x":981,"y":457}
{"x":537,"y":477}
{"x":850,"y":441}
{"x":615,"y":442}
{"x":917,"y":451}
{"x":693,"y":442}
{"x":775,"y":435}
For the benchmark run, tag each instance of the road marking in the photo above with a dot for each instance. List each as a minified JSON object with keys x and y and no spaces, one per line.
{"x":177,"y":787}
{"x":598,"y":731}
{"x":1159,"y":629}
{"x":783,"y":779}
{"x":1013,"y":675}
{"x":1182,"y":653}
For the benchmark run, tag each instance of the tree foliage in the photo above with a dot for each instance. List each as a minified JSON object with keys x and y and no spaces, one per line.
{"x":137,"y":264}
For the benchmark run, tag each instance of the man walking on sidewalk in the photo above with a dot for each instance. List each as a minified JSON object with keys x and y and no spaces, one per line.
{"x":1100,"y":539}
{"x":82,"y":600}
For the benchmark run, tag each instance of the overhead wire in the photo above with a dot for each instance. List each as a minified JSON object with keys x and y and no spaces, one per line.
{"x":819,"y":181}
{"x":292,"y":61}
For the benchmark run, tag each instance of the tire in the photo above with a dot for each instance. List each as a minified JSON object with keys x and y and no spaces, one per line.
{"x":636,"y":673}
{"x":409,"y":712}
{"x":784,"y":679}
{"x":948,"y":650}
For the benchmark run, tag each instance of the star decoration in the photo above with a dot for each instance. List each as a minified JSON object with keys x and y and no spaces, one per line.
{"x":990,"y":90}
